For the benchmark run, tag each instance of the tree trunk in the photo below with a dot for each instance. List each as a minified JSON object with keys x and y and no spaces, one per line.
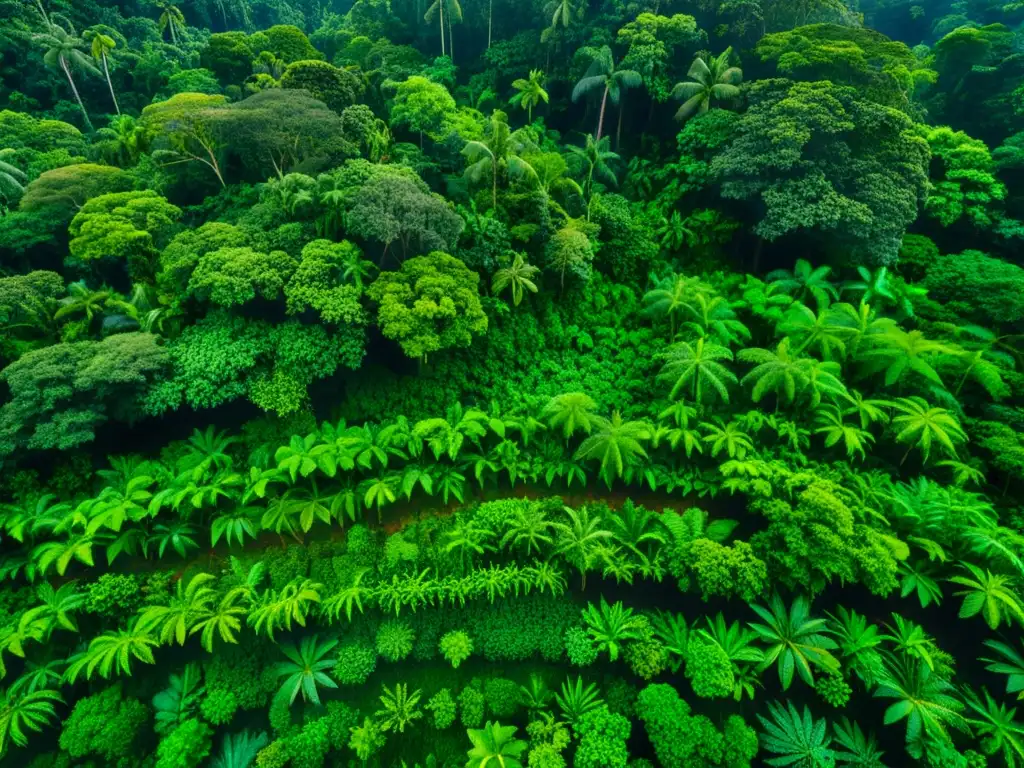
{"x":174,"y":37}
{"x":529,"y":112}
{"x":600,"y":119}
{"x":490,"y":14}
{"x":110,"y":85}
{"x":494,"y":187}
{"x":618,"y":131}
{"x":451,"y":40}
{"x":440,"y":6}
{"x":42,"y":12}
{"x":74,"y":90}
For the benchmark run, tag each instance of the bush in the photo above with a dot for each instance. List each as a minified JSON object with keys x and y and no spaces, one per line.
{"x":456,"y":647}
{"x":471,"y":702}
{"x":443,"y":706}
{"x":395,"y":640}
{"x":356,"y":662}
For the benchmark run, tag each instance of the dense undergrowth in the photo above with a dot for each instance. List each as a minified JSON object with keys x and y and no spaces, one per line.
{"x":633,"y":384}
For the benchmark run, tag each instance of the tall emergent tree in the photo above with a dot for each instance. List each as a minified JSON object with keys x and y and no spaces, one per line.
{"x":603,"y":76}
{"x":66,"y":50}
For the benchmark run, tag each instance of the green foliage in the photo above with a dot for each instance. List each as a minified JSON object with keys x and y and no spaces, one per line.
{"x":888,"y":152}
{"x":456,"y":647}
{"x":186,"y":747}
{"x":104,"y":724}
{"x":395,"y":640}
{"x":443,"y":707}
{"x":430,"y":304}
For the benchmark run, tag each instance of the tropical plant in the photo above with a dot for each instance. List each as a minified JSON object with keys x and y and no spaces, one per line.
{"x":710,"y":80}
{"x":797,"y":738}
{"x":1009,"y":662}
{"x":399,"y":708}
{"x":617,"y":445}
{"x":922,"y":424}
{"x":696,"y":366}
{"x":923,"y":698}
{"x":603,"y":76}
{"x":171,"y":19}
{"x":575,"y":700}
{"x":611,"y":626}
{"x":796,"y":641}
{"x":517,"y":277}
{"x":495,"y":745}
{"x":179,"y":701}
{"x":66,"y":51}
{"x":529,"y":92}
{"x":991,"y":595}
{"x":579,"y":540}
{"x":21,"y":713}
{"x":306,"y":669}
{"x":996,"y":724}
{"x":112,"y":653}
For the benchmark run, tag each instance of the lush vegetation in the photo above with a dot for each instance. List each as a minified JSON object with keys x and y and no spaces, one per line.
{"x":640,"y":384}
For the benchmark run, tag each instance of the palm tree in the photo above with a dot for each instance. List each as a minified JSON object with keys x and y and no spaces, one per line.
{"x":64,"y":49}
{"x":19,"y":713}
{"x":518,"y":276}
{"x":439,"y":8}
{"x":529,"y":92}
{"x":697,"y":366}
{"x":795,"y":640}
{"x":594,"y":159}
{"x":305,"y":669}
{"x":669,"y":297}
{"x":922,"y":424}
{"x":529,"y":526}
{"x":171,"y":18}
{"x":447,"y":435}
{"x":603,"y":76}
{"x":617,"y":444}
{"x":102,"y":45}
{"x":12,"y":178}
{"x":498,"y":155}
{"x":991,"y":595}
{"x":780,"y":372}
{"x":711,"y":80}
{"x":571,"y":411}
{"x":579,"y":539}
{"x":495,"y":746}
